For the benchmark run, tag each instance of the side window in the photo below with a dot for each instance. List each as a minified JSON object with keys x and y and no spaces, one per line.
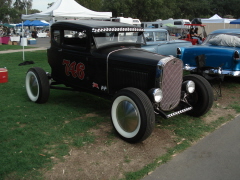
{"x":177,"y":22}
{"x":76,"y":39}
{"x":56,"y":36}
{"x":149,"y":36}
{"x":161,"y":36}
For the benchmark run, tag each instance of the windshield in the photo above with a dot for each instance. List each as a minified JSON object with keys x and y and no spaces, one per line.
{"x":159,"y":36}
{"x":222,"y":40}
{"x":117,"y":38}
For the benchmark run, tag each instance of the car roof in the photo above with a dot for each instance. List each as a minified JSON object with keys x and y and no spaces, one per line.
{"x":202,"y":25}
{"x":226,"y":31}
{"x":155,"y":29}
{"x":99,"y":25}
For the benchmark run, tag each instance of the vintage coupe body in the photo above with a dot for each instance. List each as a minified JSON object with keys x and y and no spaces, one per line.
{"x":105,"y":58}
{"x":221,"y":50}
{"x":159,"y":41}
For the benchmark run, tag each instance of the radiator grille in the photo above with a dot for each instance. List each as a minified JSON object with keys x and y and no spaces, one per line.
{"x":171,"y":82}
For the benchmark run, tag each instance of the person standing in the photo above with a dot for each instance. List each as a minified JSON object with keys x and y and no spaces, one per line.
{"x":34,"y":33}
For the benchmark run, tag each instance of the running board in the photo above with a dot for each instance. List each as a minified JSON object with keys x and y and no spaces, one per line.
{"x":62,"y":88}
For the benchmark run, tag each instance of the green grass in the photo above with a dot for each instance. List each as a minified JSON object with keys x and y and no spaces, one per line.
{"x":235,"y":106}
{"x":13,"y":47}
{"x":31,"y":133}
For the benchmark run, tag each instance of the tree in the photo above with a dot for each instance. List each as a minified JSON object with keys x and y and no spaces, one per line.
{"x":225,"y":7}
{"x":95,"y":5}
{"x":50,"y":4}
{"x":32,"y":11}
{"x":193,"y":9}
{"x":5,"y":10}
{"x":5,"y":3}
{"x":145,"y":10}
{"x":116,"y":7}
{"x":22,"y":5}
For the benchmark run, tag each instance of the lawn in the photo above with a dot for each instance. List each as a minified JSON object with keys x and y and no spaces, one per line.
{"x":29,"y":130}
{"x":31,"y":134}
{"x":13,"y":47}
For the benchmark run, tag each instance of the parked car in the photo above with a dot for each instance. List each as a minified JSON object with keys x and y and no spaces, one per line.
{"x":221,"y":50}
{"x":105,"y":58}
{"x":159,"y":41}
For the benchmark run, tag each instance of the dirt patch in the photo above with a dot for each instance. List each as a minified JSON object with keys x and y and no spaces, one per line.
{"x":110,"y":158}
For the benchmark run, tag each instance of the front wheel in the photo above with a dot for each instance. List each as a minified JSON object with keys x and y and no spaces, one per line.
{"x":202,"y":98}
{"x":132,"y":115}
{"x":37,"y":85}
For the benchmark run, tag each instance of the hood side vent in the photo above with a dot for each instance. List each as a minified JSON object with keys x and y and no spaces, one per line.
{"x":122,"y":78}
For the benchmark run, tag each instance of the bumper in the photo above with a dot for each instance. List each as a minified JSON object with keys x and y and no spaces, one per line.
{"x":214,"y":71}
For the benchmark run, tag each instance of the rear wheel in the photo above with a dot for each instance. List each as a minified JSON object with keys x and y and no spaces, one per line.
{"x":132,"y":115}
{"x":37,"y":85}
{"x":202,"y":98}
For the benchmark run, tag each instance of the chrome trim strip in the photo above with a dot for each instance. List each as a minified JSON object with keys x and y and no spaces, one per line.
{"x":164,"y":61}
{"x":214,"y":71}
{"x":116,"y":29}
{"x":179,"y":112}
{"x":107,"y":64}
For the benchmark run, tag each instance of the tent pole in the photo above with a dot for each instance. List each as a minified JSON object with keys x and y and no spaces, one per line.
{"x":22,"y":43}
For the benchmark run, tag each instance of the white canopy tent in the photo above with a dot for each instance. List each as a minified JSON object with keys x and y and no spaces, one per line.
{"x":216,"y":22}
{"x":67,"y":9}
{"x":216,"y":19}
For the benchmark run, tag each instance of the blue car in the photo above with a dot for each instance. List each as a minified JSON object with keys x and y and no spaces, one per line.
{"x":220,"y":51}
{"x":159,"y":41}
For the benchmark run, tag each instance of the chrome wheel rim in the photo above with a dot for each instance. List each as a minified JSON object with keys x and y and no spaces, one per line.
{"x":33,"y":84}
{"x":127,"y":116}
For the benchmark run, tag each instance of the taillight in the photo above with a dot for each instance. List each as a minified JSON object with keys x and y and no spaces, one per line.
{"x":179,"y":51}
{"x":236,"y":55}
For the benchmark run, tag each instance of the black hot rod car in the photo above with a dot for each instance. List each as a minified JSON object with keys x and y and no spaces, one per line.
{"x":105,"y":58}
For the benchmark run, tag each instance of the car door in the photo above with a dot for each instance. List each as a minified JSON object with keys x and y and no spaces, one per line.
{"x":74,"y":61}
{"x":55,"y":52}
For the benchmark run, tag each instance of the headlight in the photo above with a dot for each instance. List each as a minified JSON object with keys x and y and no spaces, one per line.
{"x":156,"y":95}
{"x":179,"y":52}
{"x":189,"y":86}
{"x":236,"y":55}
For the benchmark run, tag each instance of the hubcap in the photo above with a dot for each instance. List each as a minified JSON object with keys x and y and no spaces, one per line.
{"x":127,"y":116}
{"x":33,"y":85}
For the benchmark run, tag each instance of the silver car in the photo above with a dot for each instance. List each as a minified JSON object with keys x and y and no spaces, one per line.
{"x":159,"y":41}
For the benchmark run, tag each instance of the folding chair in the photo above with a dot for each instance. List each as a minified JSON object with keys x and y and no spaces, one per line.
{"x":212,"y":74}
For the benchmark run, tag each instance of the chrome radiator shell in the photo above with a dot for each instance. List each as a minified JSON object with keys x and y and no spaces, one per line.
{"x":170,"y":82}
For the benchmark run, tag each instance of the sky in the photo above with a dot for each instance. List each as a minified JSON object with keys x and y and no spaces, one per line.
{"x":41,"y":5}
